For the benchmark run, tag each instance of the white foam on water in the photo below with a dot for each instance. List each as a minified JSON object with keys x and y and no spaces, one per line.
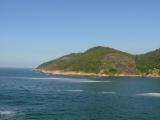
{"x":93,"y":81}
{"x":149,"y":94}
{"x":49,"y":78}
{"x":76,"y":80}
{"x":74,"y":90}
{"x":5,"y":113}
{"x":103,"y":92}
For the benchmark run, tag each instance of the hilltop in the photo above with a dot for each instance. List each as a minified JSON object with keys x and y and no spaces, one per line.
{"x":105,"y":61}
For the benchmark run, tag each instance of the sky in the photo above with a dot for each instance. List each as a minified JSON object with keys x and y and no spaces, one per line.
{"x":35,"y":31}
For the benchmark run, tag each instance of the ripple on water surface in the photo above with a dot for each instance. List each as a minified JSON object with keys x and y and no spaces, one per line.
{"x":26,"y":95}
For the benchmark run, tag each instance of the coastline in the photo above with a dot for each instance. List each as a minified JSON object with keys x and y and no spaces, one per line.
{"x":72,"y":73}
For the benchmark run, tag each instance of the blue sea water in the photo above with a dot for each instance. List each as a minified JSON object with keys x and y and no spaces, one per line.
{"x":29,"y":95}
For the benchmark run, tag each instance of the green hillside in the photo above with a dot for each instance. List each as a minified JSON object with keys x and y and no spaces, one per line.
{"x":149,"y":61}
{"x":104,"y":60}
{"x":95,"y":60}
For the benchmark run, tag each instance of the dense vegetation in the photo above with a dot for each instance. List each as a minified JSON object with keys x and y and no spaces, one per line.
{"x":149,"y":61}
{"x":105,"y":60}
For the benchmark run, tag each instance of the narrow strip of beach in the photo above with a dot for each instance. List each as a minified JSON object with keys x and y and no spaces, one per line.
{"x":73,"y":73}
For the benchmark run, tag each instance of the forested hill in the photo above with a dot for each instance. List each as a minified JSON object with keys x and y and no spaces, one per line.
{"x":105,"y":60}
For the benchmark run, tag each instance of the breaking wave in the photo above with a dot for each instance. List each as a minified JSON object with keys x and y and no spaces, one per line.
{"x":149,"y":94}
{"x":76,"y":80}
{"x":93,"y":81}
{"x":7,"y":113}
{"x":74,"y":90}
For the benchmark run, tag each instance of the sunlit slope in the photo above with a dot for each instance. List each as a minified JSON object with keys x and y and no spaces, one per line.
{"x":149,"y":62}
{"x":101,"y":60}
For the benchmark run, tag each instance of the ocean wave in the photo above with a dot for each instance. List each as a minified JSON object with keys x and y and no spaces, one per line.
{"x":72,"y":90}
{"x":5,"y":113}
{"x":103,"y":92}
{"x":93,"y":81}
{"x":76,"y":80}
{"x":149,"y":94}
{"x":49,"y":78}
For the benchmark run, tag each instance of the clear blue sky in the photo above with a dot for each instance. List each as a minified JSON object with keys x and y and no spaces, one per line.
{"x":34,"y":31}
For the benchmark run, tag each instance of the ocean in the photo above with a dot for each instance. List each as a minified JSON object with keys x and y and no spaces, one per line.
{"x":29,"y":95}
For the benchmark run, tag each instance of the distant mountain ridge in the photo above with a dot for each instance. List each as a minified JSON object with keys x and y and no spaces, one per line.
{"x":106,"y":61}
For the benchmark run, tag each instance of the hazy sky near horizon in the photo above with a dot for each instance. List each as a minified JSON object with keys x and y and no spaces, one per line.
{"x":34,"y":31}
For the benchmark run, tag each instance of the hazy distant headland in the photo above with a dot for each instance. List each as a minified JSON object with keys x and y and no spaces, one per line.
{"x":105,"y":61}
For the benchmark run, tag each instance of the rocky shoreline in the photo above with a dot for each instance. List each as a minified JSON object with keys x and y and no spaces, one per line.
{"x":71,"y":73}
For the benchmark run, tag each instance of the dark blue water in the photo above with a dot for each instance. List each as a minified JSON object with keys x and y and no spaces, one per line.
{"x":28,"y":95}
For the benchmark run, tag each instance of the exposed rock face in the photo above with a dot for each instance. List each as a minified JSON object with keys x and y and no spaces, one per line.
{"x":154,"y":73}
{"x":119,"y":64}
